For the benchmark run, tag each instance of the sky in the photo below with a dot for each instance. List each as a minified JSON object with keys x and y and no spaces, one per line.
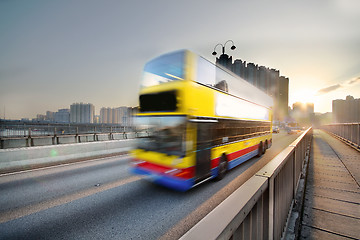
{"x":55,"y":53}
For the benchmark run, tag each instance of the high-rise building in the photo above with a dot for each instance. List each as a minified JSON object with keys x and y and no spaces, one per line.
{"x":346,"y":111}
{"x":105,"y":114}
{"x":82,"y":113}
{"x":62,"y":116}
{"x":50,"y":116}
{"x":283,"y":97}
{"x":268,"y":80}
{"x":40,"y":117}
{"x":239,"y":68}
{"x":263,"y":78}
{"x":226,"y":61}
{"x":251,"y":73}
{"x":120,"y":115}
{"x":97,"y":119}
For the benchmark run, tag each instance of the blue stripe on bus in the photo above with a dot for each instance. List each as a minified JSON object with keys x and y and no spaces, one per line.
{"x":242,"y":159}
{"x":166,"y":181}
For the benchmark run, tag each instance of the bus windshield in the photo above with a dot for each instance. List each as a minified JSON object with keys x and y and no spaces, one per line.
{"x":165,"y":134}
{"x":167,"y":68}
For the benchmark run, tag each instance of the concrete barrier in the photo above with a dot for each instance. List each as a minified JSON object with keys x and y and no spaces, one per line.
{"x":102,"y":137}
{"x":86,"y":138}
{"x":66,"y":139}
{"x":42,"y":141}
{"x":17,"y":159}
{"x":118,"y":136}
{"x":14,"y":143}
{"x":130,"y":135}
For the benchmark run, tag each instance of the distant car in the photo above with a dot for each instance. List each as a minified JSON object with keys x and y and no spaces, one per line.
{"x":291,"y":131}
{"x":275,"y":129}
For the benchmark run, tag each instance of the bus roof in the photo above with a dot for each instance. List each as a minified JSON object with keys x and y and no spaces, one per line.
{"x":209,"y":74}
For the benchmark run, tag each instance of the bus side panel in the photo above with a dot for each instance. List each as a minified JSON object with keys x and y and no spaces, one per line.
{"x":198,"y":100}
{"x":237,"y":153}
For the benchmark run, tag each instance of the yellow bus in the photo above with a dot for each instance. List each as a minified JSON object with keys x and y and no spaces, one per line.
{"x":197,"y":121}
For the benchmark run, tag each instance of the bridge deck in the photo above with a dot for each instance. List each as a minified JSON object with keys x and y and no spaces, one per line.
{"x":332,"y":197}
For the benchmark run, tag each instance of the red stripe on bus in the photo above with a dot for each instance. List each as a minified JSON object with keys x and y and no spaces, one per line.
{"x":184,"y":173}
{"x":154,"y":167}
{"x":215,"y":162}
{"x":234,"y":155}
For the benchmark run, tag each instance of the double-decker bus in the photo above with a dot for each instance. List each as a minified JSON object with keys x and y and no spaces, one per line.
{"x":197,"y":121}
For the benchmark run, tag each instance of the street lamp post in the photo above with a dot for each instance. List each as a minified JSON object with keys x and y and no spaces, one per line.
{"x":223,"y":47}
{"x":224,"y":59}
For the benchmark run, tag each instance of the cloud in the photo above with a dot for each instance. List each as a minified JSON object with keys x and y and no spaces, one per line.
{"x":328,"y":89}
{"x":353,"y":81}
{"x":337,"y":86}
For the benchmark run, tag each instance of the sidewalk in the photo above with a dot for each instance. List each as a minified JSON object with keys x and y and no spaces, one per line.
{"x":332,"y":195}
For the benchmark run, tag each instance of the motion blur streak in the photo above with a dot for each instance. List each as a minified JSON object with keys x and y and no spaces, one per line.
{"x":27,"y":210}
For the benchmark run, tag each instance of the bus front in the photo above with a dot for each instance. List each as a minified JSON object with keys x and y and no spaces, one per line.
{"x":162,"y":125}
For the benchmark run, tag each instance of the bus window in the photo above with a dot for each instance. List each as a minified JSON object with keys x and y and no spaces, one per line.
{"x":163,"y":101}
{"x":222,"y":85}
{"x":164,"y":69}
{"x":206,"y":72}
{"x":166,"y":134}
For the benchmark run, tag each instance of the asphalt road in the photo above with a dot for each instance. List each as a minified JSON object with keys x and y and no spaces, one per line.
{"x":100,"y":199}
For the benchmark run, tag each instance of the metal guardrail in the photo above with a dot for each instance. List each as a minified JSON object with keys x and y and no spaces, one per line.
{"x":260,"y":208}
{"x":348,"y":132}
{"x":14,"y":134}
{"x":11,"y":129}
{"x":34,"y":141}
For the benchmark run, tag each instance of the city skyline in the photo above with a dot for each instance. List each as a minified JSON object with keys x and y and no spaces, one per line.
{"x":60,"y":52}
{"x":49,"y":114}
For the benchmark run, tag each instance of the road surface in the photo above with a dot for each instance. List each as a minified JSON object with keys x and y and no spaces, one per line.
{"x":100,"y":199}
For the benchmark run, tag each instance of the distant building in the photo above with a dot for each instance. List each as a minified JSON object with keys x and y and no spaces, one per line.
{"x":268,"y":80}
{"x":303,"y":113}
{"x":322,"y":119}
{"x":120,"y":115}
{"x":304,"y":108}
{"x":82,"y":113}
{"x":40,"y":117}
{"x":251,"y":73}
{"x":226,"y":61}
{"x":97,"y":119}
{"x":263,"y":78}
{"x":62,"y":116}
{"x":105,"y":115}
{"x":346,"y":111}
{"x":50,"y":116}
{"x":283,"y":97}
{"x":123,"y":115}
{"x":239,"y":68}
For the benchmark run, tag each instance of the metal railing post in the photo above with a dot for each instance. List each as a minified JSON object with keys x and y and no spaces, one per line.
{"x":297,"y":161}
{"x":358,"y":135}
{"x":271,"y":208}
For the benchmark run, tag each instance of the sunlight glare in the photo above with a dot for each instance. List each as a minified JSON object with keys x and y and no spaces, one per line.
{"x":306,"y":96}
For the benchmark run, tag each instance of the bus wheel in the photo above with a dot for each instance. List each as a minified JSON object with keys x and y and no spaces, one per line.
{"x":222,"y":168}
{"x":266,"y":146}
{"x":260,"y":150}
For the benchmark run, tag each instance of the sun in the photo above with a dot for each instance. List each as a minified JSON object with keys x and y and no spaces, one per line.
{"x":305,"y":96}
